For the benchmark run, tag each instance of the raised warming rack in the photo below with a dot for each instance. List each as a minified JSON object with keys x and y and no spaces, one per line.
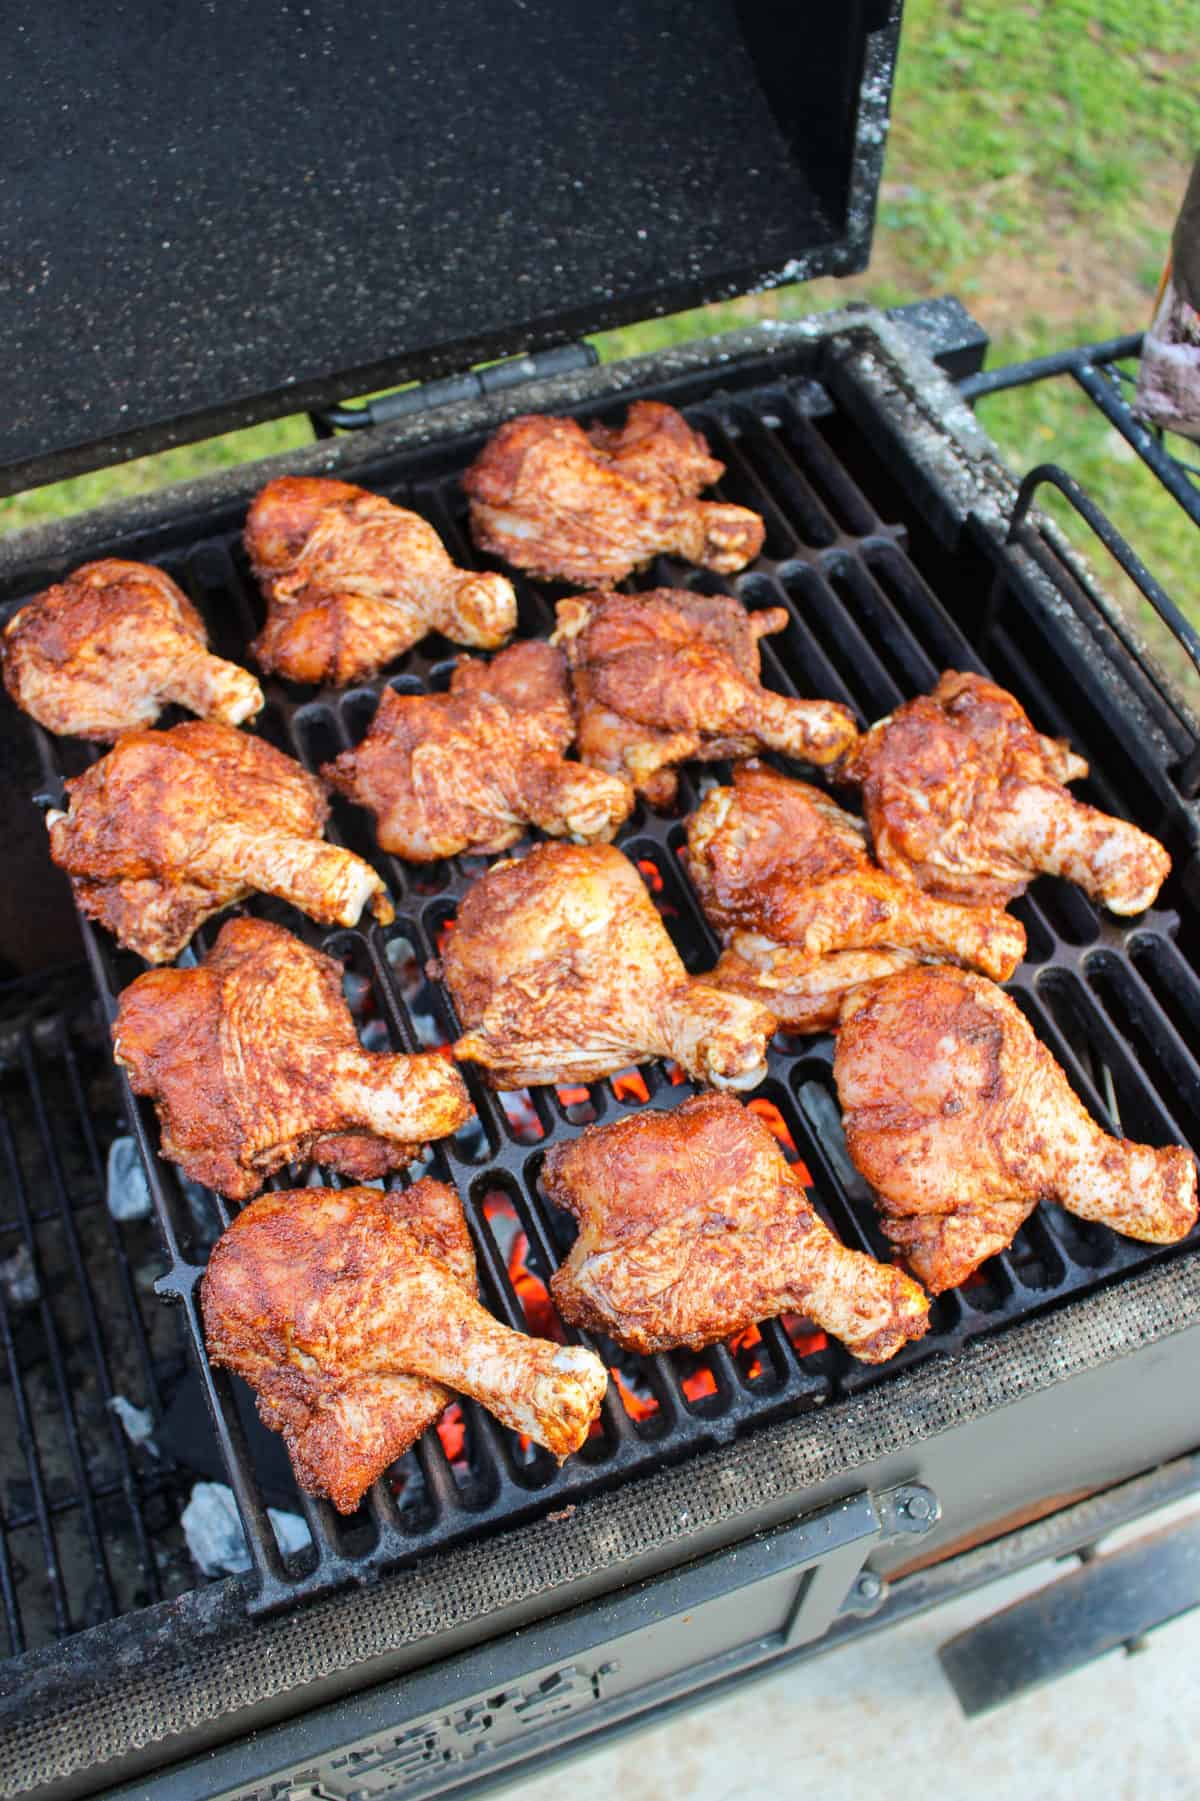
{"x":1118,"y":1003}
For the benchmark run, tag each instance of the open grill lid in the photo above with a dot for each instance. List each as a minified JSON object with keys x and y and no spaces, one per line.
{"x":222,"y":213}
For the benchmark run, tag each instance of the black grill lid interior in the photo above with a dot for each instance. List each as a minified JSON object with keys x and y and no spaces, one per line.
{"x":223,"y":210}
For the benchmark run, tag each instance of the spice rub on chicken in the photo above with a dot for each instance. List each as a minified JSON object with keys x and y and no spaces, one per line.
{"x":562,"y":971}
{"x":472,"y":769}
{"x":352,"y":582}
{"x":353,"y":1315}
{"x":253,"y":1062}
{"x":108,"y":648}
{"x":692,"y":1226}
{"x":962,"y":1121}
{"x":966,"y":800}
{"x":169,"y":827}
{"x":667,"y":675}
{"x":591,"y":506}
{"x":785,"y":877}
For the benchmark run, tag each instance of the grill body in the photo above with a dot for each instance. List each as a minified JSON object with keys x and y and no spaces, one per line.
{"x":1061,"y":1373}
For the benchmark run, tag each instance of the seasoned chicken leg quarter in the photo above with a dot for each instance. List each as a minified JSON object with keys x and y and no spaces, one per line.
{"x":590,"y":507}
{"x":962,"y":1121}
{"x":966,"y":800}
{"x":253,"y":1062}
{"x":352,"y":581}
{"x":105,"y":650}
{"x":561,"y":970}
{"x":471,"y":769}
{"x":692,"y":1226}
{"x":785,"y":877}
{"x":352,"y":1313}
{"x":170,"y":827}
{"x":667,"y":675}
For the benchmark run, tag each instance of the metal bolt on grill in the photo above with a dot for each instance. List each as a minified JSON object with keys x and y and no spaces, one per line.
{"x":1118,"y":1004}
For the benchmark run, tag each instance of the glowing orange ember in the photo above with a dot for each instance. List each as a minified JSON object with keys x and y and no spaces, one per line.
{"x":675,"y":1074}
{"x":701,"y":1383}
{"x":806,"y":1338}
{"x":630,"y":1086}
{"x":443,"y":934}
{"x":776,"y":1125}
{"x":742,"y":1341}
{"x":637,"y":1407}
{"x":452,"y":1430}
{"x":652,"y":873}
{"x":573,"y":1097}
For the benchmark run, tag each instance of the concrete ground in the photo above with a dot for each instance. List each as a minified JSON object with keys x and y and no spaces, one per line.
{"x":878,"y":1718}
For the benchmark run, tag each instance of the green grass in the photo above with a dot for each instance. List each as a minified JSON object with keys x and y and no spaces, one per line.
{"x":1037,"y":156}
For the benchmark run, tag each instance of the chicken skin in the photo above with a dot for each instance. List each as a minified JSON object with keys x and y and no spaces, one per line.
{"x":169,"y":827}
{"x":785,"y":877}
{"x":106,"y":650}
{"x":590,"y":507}
{"x":253,"y":1062}
{"x":966,"y":800}
{"x":562,"y":971}
{"x":962,"y":1121}
{"x":692,"y":1227}
{"x":472,"y":769}
{"x":667,"y":675}
{"x":353,"y":1314}
{"x":352,"y":582}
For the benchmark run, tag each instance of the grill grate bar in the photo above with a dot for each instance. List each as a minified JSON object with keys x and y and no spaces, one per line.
{"x":84,"y":1295}
{"x":27,"y":1432}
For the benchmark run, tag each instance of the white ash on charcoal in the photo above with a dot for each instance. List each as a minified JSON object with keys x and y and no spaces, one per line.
{"x":18,"y":1279}
{"x":214,"y":1532}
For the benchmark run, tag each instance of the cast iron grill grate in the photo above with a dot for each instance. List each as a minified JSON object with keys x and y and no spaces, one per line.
{"x":1118,"y":1003}
{"x":88,"y":1516}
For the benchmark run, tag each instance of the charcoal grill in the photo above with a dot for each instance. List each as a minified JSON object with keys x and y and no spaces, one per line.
{"x":753,"y":1503}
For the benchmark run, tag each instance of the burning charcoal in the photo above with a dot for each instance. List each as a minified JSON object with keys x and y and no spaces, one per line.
{"x":137,"y":1423}
{"x":18,"y":1278}
{"x":214,"y":1532}
{"x":127,"y":1192}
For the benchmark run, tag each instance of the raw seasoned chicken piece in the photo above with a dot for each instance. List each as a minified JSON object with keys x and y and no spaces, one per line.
{"x":593,"y":506}
{"x":352,"y":582}
{"x":967,"y":801}
{"x":253,"y":1062}
{"x":352,"y":1314}
{"x":785,"y":877}
{"x":962,"y":1121}
{"x":562,"y":971}
{"x":470,"y":770}
{"x":110,"y":647}
{"x":169,"y":827}
{"x":667,"y":675}
{"x":692,"y":1227}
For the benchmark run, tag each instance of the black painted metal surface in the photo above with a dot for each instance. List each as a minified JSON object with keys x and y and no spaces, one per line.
{"x":225,"y":213}
{"x":1117,"y":1002}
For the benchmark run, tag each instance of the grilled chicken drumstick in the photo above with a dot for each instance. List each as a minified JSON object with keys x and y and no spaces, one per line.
{"x":692,"y":1227}
{"x":169,"y":827}
{"x":785,"y":877}
{"x":562,"y":971}
{"x":471,"y":769}
{"x":107,"y":649}
{"x":352,"y":1313}
{"x":592,"y":506}
{"x":962,"y":1121}
{"x":667,"y":675}
{"x":253,"y":1062}
{"x":352,"y":581}
{"x":965,"y":799}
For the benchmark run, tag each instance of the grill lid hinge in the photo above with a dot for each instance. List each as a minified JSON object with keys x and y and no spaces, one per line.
{"x":450,"y":390}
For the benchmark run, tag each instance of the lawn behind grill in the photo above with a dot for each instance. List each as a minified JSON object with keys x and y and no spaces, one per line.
{"x":1036,"y":161}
